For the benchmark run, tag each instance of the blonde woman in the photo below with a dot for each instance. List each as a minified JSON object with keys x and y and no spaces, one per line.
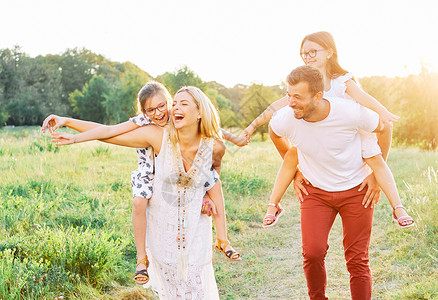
{"x":189,"y":152}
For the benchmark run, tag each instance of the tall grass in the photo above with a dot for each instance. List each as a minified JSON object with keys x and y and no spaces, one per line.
{"x":65,"y":227}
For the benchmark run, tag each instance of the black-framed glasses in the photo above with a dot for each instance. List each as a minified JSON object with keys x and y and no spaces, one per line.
{"x":311,"y":53}
{"x":162,"y":107}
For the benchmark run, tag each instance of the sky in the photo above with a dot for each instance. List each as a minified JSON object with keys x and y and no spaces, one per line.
{"x":229,"y":41}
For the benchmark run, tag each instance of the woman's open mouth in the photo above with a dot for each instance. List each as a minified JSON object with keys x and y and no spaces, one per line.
{"x":178,"y":117}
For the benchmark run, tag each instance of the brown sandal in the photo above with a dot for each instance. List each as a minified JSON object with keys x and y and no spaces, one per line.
{"x":231,"y":254}
{"x":142,"y":276}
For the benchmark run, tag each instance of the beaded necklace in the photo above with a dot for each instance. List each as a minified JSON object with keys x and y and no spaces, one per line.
{"x":184,"y":181}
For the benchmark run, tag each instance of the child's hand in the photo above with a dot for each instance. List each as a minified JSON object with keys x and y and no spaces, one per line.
{"x":247,"y":132}
{"x":53,"y":122}
{"x":241,"y":140}
{"x":387,"y":117}
{"x":299,"y":188}
{"x":61,"y":139}
{"x":208,"y":206}
{"x":245,"y":137}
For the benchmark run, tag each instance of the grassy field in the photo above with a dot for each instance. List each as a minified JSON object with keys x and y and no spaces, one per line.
{"x":65,"y":227}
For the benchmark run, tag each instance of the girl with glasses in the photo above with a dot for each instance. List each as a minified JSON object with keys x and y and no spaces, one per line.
{"x":319,"y":50}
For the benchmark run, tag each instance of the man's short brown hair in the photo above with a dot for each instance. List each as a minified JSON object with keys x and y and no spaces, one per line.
{"x":308,"y":74}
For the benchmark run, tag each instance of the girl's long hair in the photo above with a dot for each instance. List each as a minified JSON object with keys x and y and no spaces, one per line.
{"x":149,"y":90}
{"x":209,"y":125}
{"x":326,"y":40}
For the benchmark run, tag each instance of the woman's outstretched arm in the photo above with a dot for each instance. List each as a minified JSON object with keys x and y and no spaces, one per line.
{"x":142,"y":137}
{"x":98,"y":133}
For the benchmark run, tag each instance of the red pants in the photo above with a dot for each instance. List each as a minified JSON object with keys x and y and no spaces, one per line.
{"x":318,"y":212}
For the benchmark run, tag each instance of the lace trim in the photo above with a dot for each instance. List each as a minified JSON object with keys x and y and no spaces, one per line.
{"x":185,"y":179}
{"x":191,"y":288}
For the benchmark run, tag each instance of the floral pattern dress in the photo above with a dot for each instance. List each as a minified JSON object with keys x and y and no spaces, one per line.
{"x":142,"y":179}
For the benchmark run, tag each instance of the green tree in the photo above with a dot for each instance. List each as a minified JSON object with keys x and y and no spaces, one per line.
{"x":223,"y":105}
{"x":414,"y":99}
{"x":182,"y":77}
{"x":419,"y":107}
{"x":88,"y":104}
{"x":30,"y":88}
{"x":3,"y":113}
{"x":77,"y":66}
{"x":9,"y":77}
{"x":120,"y":101}
{"x":255,"y":100}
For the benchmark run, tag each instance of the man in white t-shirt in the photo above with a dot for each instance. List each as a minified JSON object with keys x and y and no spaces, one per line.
{"x":325,"y":133}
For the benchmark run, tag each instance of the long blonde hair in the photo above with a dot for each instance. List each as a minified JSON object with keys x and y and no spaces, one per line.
{"x":209,"y":125}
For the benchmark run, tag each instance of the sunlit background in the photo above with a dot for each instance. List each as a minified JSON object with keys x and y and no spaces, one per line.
{"x":231,"y":42}
{"x":76,"y":201}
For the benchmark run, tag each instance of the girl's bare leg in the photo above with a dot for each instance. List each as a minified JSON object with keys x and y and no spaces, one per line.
{"x":284,"y":178}
{"x":386,"y":181}
{"x":139,"y":228}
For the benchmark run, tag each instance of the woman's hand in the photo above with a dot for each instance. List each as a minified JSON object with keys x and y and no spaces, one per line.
{"x":373,"y":193}
{"x":247,"y":132}
{"x":61,"y":139}
{"x":299,"y":188}
{"x":241,"y":140}
{"x":53,"y":122}
{"x":236,"y":140}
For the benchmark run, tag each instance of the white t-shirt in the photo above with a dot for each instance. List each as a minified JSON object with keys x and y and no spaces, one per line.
{"x":338,"y":88}
{"x":329,"y":151}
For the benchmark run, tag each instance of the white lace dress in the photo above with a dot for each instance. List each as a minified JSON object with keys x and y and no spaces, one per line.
{"x":179,"y":238}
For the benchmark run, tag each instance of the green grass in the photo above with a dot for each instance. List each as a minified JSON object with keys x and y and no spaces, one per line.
{"x":65,"y":226}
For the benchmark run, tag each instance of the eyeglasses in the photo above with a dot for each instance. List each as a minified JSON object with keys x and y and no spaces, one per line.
{"x":311,"y":53}
{"x":162,"y":107}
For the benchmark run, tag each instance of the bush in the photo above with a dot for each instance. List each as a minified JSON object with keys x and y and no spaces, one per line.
{"x":25,"y":279}
{"x":87,"y":255}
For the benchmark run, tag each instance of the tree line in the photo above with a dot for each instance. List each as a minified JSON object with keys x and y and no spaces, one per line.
{"x":86,"y":85}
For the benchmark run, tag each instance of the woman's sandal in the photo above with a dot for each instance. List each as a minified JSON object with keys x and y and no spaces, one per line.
{"x":142,"y":276}
{"x":402,"y":220}
{"x":271,"y":217}
{"x":231,"y":254}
